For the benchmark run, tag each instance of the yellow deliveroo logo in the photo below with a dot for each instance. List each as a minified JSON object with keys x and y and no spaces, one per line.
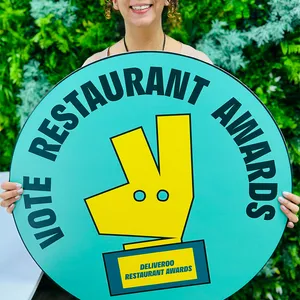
{"x":164,"y":191}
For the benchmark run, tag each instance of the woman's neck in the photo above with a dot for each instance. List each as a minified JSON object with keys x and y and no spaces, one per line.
{"x":150,"y":38}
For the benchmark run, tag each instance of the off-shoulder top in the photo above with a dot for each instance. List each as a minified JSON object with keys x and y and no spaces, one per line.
{"x":185,"y":50}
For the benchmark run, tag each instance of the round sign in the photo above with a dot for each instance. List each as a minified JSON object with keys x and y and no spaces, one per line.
{"x":151,"y":175}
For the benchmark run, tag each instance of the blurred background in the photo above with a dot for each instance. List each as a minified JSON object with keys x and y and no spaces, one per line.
{"x":258,"y":41}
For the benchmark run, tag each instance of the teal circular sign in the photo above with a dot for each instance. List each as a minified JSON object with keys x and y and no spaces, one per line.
{"x":151,"y":175}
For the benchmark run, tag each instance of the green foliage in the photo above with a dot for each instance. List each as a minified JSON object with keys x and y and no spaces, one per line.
{"x":225,"y":47}
{"x":15,"y":51}
{"x":291,"y":53}
{"x":35,"y":85}
{"x":42,"y":41}
{"x":58,"y":9}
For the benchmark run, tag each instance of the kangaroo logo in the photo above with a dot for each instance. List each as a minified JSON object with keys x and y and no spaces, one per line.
{"x":164,"y":189}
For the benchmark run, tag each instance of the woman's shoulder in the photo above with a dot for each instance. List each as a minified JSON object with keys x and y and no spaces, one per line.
{"x":192,"y":52}
{"x":95,"y":57}
{"x":110,"y":51}
{"x":185,"y":50}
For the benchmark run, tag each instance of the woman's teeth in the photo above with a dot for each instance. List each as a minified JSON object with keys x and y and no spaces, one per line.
{"x":142,"y":7}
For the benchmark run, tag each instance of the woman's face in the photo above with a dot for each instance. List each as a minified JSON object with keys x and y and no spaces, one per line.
{"x":140,"y":13}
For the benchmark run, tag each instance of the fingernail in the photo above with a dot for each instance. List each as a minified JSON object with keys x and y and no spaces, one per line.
{"x":18,"y":185}
{"x":281,"y":200}
{"x":20,"y":191}
{"x":286,"y":194}
{"x":283,"y":207}
{"x":18,"y":197}
{"x":290,"y":225}
{"x":12,"y":208}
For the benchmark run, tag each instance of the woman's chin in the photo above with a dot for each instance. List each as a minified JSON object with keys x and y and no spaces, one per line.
{"x":142,"y":23}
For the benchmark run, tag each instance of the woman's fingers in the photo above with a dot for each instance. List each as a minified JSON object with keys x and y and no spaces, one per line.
{"x":10,"y":201}
{"x":291,"y":206}
{"x":10,"y":209}
{"x":291,"y":197}
{"x":11,"y":194}
{"x":8,"y":186}
{"x":291,"y":216}
{"x":290,"y":225}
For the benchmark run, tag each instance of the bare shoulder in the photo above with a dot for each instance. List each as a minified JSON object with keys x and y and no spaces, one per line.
{"x":95,"y":57}
{"x":202,"y":56}
{"x":113,"y":50}
{"x":192,"y":52}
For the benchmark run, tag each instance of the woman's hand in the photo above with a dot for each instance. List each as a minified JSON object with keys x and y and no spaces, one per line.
{"x":12,"y":193}
{"x":290,"y":206}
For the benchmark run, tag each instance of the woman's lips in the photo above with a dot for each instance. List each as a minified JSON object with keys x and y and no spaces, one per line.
{"x":140,"y":11}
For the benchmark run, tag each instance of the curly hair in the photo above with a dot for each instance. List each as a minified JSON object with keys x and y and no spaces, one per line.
{"x":174,"y":3}
{"x":174,"y":17}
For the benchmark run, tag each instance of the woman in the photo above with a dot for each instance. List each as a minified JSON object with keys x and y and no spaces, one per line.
{"x":143,"y":27}
{"x":143,"y":31}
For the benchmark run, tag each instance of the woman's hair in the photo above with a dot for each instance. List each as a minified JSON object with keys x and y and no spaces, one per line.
{"x":174,"y":17}
{"x":174,"y":3}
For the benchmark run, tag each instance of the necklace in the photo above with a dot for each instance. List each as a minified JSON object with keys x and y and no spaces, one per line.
{"x":163,"y":48}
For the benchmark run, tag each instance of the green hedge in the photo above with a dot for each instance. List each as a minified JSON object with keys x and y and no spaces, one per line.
{"x":42,"y":41}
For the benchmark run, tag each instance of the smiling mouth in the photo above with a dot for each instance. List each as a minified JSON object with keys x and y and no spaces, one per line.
{"x":141,"y":7}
